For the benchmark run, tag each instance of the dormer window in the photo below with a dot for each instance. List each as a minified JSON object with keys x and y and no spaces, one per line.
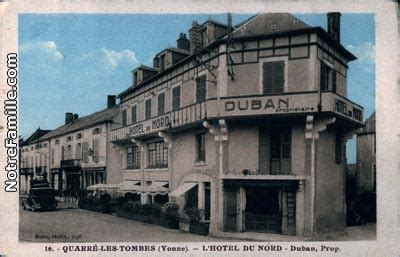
{"x":57,"y":142}
{"x":79,"y":136}
{"x":295,"y":22}
{"x":134,"y":78}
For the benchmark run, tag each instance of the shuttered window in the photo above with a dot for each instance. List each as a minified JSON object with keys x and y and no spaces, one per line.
{"x":161,"y":103}
{"x":134,"y":114}
{"x":62,"y":153}
{"x":124,"y":118}
{"x":201,"y":89}
{"x":147,"y":104}
{"x":96,"y":150}
{"x":78,"y":151}
{"x":176,"y":98}
{"x":327,"y":78}
{"x":85,"y":152}
{"x":280,"y":147}
{"x":273,"y":77}
{"x":200,"y":147}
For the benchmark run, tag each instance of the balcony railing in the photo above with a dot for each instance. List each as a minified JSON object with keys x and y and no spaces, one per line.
{"x":70,"y":163}
{"x":300,"y":103}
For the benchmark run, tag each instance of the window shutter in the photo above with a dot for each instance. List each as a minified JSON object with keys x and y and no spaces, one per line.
{"x":323,"y":77}
{"x":279,"y":77}
{"x":148,"y":109}
{"x":62,"y":153}
{"x":85,"y":152}
{"x":124,"y":118}
{"x":134,"y":113}
{"x":176,"y":98}
{"x":161,"y":103}
{"x":334,"y":81}
{"x":96,"y":150}
{"x":201,"y":90}
{"x":268,"y":77}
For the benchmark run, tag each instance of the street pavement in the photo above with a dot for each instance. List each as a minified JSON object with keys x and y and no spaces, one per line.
{"x":69,"y":224}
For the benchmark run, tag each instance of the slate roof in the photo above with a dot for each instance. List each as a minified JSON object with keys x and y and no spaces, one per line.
{"x":282,"y":21}
{"x":88,"y":121}
{"x":35,"y":135}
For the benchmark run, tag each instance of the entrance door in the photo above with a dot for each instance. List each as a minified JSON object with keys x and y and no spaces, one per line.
{"x":231,"y":212}
{"x":73,"y":184}
{"x":263,"y":211}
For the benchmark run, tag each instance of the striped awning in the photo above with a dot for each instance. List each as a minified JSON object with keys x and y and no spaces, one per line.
{"x":183,"y":189}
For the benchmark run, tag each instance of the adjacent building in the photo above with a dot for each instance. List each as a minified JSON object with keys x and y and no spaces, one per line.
{"x":34,"y":156}
{"x":248,"y":123}
{"x":366,"y":156}
{"x":74,"y":155}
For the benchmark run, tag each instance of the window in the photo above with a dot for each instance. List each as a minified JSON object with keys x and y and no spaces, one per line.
{"x":95,"y":144}
{"x":57,"y":142}
{"x":200,"y":147}
{"x":96,"y":131}
{"x":161,"y":103}
{"x":273,"y":77}
{"x":52,"y":156}
{"x":201,"y":89}
{"x":79,"y":136}
{"x":134,"y":114}
{"x":69,"y":138}
{"x":124,"y":118}
{"x":78,"y":151}
{"x":62,"y":153}
{"x":328,"y":78}
{"x":69,"y":152}
{"x":280,"y":148}
{"x":176,"y":98}
{"x":45,"y":145}
{"x":338,"y":149}
{"x":133,"y":157}
{"x":147,"y":107}
{"x":85,"y":152}
{"x":158,"y":155}
{"x":162,"y":62}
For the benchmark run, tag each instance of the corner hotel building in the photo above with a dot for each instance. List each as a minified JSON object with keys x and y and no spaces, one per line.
{"x":247,"y":122}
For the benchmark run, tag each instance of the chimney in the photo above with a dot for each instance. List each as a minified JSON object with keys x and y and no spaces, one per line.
{"x":334,"y":25}
{"x":195,"y":38}
{"x":111,"y":101}
{"x":182,"y":42}
{"x":69,"y":117}
{"x":76,"y":116}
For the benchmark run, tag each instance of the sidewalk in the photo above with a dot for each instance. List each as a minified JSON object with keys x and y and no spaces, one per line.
{"x":366,"y":232}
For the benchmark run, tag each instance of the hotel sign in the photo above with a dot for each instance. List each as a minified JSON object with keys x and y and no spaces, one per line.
{"x":260,"y":105}
{"x":149,"y":126}
{"x":342,"y":107}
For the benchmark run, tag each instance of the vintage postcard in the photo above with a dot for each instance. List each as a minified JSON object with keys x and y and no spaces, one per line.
{"x":196,"y":128}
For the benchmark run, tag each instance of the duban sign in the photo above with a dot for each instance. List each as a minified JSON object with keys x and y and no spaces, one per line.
{"x":269,"y":105}
{"x":149,"y":126}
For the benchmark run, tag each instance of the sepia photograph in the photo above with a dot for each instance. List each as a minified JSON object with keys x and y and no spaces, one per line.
{"x":243,"y":130}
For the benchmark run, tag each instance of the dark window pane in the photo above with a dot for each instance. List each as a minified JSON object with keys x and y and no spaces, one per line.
{"x":273,"y":77}
{"x":124,"y":118}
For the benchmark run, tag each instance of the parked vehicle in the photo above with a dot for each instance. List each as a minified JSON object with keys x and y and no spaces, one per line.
{"x":41,"y":197}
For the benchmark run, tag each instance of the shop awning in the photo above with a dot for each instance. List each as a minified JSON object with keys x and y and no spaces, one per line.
{"x":183,"y":189}
{"x":157,"y":188}
{"x":130,"y":186}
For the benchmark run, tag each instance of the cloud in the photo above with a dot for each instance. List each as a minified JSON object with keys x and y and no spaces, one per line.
{"x":45,"y":50}
{"x":365,"y":54}
{"x":115,"y":58}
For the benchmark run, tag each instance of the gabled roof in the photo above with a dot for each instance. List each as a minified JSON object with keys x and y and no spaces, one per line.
{"x":35,"y":135}
{"x":88,"y":121}
{"x":269,"y":23}
{"x":369,"y":125}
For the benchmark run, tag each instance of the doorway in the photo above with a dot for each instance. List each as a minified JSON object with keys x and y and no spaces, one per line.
{"x":263,"y":210}
{"x":231,"y":211}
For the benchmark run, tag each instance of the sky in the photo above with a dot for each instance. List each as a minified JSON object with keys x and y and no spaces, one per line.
{"x":71,"y":62}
